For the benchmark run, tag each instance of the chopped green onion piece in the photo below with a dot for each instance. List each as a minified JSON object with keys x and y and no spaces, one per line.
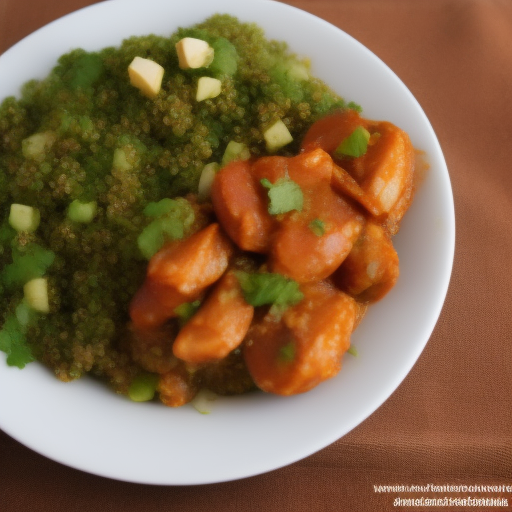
{"x":318,"y":227}
{"x":143,"y":387}
{"x":203,"y":401}
{"x":162,"y":207}
{"x":284,"y":196}
{"x":82,"y":212}
{"x":355,"y":144}
{"x":352,"y":351}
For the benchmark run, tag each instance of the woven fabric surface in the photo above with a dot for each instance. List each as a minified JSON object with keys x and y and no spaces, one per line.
{"x":450,"y":421}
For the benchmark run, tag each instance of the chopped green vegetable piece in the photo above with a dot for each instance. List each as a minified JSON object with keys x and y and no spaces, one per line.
{"x":225,"y":60}
{"x":151,"y":239}
{"x":203,"y":401}
{"x":317,"y":226}
{"x":13,"y":342}
{"x":36,"y":145}
{"x":261,"y":289}
{"x":36,"y":294}
{"x":84,"y":71}
{"x":235,"y":151}
{"x":284,"y":196}
{"x":162,"y":207}
{"x":26,"y":265}
{"x":143,"y":387}
{"x":186,"y":310}
{"x":352,"y":351}
{"x":173,"y":217}
{"x":206,"y":180}
{"x":277,"y":136}
{"x":24,"y":218}
{"x":82,"y":212}
{"x":24,"y":313}
{"x":287,"y":352}
{"x":355,"y":144}
{"x":120,"y":160}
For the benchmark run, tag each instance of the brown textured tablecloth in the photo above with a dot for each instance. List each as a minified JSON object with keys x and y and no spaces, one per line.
{"x":450,"y":421}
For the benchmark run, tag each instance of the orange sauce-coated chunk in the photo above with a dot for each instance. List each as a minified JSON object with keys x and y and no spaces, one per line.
{"x":241,"y":207}
{"x":306,"y":346}
{"x":218,"y":327}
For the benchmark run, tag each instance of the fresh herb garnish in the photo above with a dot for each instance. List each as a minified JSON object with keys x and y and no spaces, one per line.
{"x":317,"y":226}
{"x":13,"y":341}
{"x":274,"y":289}
{"x":284,"y":196}
{"x":172,"y":218}
{"x":355,"y":144}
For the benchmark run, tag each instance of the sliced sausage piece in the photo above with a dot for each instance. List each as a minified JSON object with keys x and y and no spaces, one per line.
{"x":307,"y":169}
{"x":372,"y":267}
{"x":306,"y":346}
{"x":241,"y":207}
{"x":154,"y":304}
{"x":311,"y":244}
{"x":328,"y":132}
{"x":179,"y":273}
{"x":190,"y":265}
{"x":218,"y":327}
{"x":344,"y":184}
{"x":387,"y":172}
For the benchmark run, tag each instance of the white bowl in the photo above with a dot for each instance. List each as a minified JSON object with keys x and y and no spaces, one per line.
{"x":85,"y":426}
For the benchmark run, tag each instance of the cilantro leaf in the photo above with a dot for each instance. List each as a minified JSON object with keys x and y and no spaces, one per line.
{"x":355,"y":144}
{"x":284,"y":196}
{"x":274,"y":289}
{"x":14,"y":343}
{"x":28,"y":264}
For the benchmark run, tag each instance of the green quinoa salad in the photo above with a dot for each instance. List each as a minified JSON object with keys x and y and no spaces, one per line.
{"x":106,"y":158}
